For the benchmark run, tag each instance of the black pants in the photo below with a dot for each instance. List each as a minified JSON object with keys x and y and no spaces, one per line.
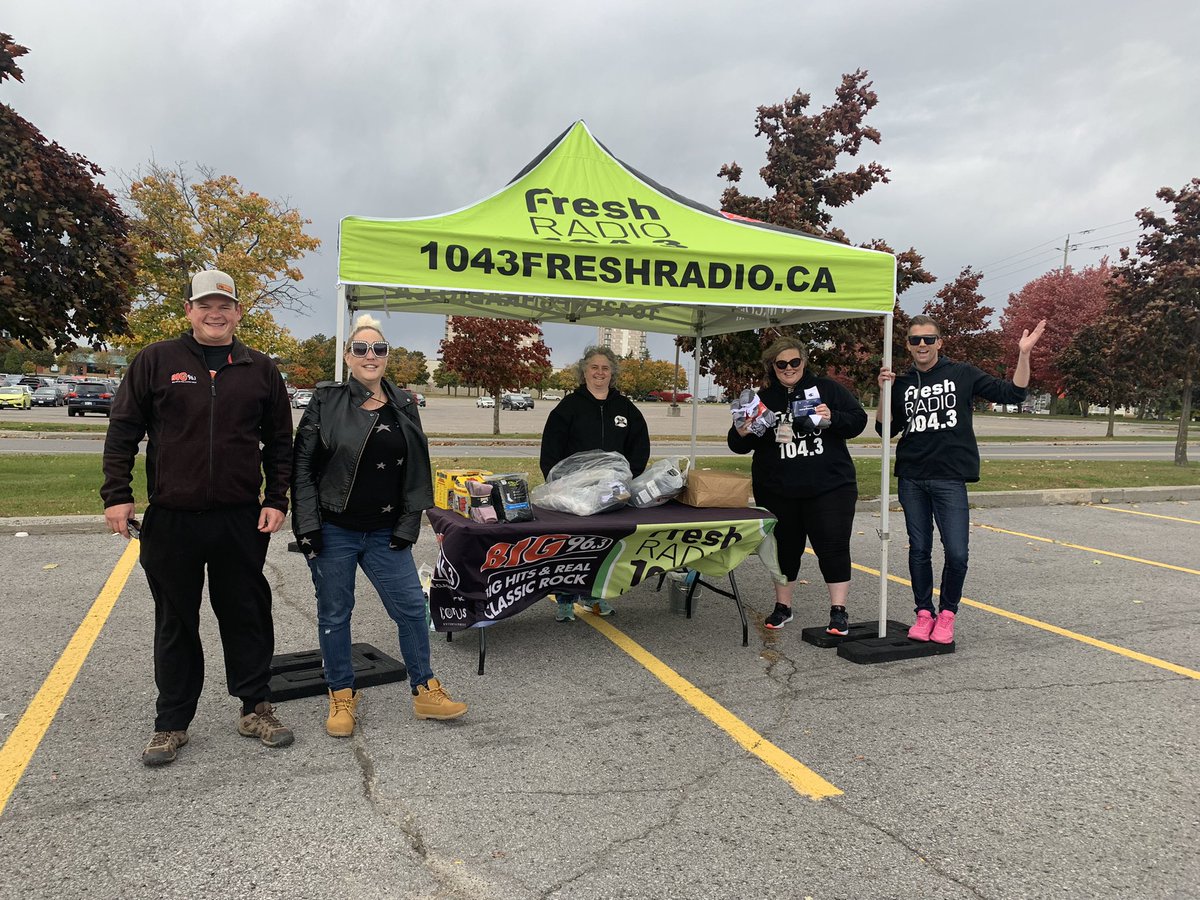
{"x":176,"y":547}
{"x":826,"y":521}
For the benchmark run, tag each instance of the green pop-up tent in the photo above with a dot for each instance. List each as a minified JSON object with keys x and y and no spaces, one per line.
{"x":580,"y":237}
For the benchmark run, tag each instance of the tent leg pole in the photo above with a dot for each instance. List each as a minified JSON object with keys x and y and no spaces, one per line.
{"x":695,"y":398}
{"x":885,"y":537}
{"x":338,"y":362}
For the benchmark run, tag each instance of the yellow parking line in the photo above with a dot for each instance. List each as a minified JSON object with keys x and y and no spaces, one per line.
{"x":1138,"y":512}
{"x":18,"y":750}
{"x":802,"y":779}
{"x":1054,"y":629}
{"x":1137,"y":559}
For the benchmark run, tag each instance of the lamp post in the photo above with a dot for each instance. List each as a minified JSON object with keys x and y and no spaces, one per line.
{"x":673,"y":410}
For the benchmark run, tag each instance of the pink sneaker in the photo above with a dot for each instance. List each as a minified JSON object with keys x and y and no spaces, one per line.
{"x":922,"y":627}
{"x":943,"y":628}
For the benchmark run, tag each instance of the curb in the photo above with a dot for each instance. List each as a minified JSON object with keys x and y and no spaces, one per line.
{"x":983,"y":500}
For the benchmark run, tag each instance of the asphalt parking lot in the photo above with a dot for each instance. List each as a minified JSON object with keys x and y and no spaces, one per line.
{"x":1052,"y":755}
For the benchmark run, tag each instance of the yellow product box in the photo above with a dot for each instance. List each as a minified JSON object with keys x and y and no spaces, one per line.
{"x":445,"y":480}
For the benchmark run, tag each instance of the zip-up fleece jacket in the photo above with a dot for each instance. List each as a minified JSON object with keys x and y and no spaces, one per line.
{"x":581,"y":422}
{"x":211,"y":439}
{"x":810,"y":465}
{"x":933,"y":413}
{"x":329,"y":444}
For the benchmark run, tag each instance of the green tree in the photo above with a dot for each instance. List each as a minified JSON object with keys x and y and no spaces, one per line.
{"x":515,"y":357}
{"x":407,"y":367}
{"x":638,"y":377}
{"x":66,"y":265}
{"x":312,"y":361}
{"x":182,"y":224}
{"x":1098,"y":367}
{"x":444,"y":377}
{"x":1159,"y":296}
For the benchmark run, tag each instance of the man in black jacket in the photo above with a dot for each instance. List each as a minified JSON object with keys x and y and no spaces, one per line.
{"x":595,"y":416}
{"x":218,"y":420}
{"x":936,"y":456}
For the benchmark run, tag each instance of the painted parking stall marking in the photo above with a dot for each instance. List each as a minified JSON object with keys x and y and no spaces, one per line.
{"x":1053,"y":629}
{"x":18,"y":750}
{"x":1138,"y":512}
{"x":802,"y":779}
{"x":1046,"y":540}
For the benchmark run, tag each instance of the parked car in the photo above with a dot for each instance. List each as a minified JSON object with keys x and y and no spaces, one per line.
{"x":420,"y":399}
{"x":516,"y":401}
{"x":666,"y":396}
{"x":47,"y":395}
{"x":18,"y":396}
{"x":300,"y":399}
{"x":90,"y":396}
{"x":291,"y":391}
{"x":552,"y":396}
{"x":485,"y":402}
{"x":1005,"y":407}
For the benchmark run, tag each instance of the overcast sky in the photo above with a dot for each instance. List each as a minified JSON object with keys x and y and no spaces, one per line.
{"x":1006,"y":126}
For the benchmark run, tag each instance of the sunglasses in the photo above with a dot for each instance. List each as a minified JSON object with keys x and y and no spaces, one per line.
{"x":784,"y":364}
{"x":360,"y":348}
{"x":917,"y":339}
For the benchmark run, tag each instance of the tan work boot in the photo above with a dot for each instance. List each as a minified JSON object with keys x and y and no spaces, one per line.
{"x":342,"y":705}
{"x":265,"y":725}
{"x":432,"y":702}
{"x":163,"y":747}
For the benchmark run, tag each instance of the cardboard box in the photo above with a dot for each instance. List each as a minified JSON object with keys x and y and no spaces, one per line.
{"x":711,"y":488}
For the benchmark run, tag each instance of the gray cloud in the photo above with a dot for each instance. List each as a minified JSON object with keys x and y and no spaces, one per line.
{"x":1005,"y":126}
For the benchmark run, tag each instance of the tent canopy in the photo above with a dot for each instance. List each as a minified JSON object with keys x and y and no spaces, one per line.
{"x":580,"y":237}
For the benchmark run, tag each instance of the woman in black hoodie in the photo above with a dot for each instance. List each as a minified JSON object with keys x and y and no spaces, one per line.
{"x":802,"y":473}
{"x":595,"y":416}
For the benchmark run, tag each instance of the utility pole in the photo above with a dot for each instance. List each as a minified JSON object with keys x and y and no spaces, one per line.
{"x":1067,"y":247}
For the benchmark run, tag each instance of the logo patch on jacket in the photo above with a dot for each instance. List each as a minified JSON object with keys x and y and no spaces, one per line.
{"x":183,"y":378}
{"x":620,"y":421}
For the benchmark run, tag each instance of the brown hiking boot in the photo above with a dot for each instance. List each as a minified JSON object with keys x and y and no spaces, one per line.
{"x":342,"y":705}
{"x":163,"y":747}
{"x":264,"y":725}
{"x":432,"y":702}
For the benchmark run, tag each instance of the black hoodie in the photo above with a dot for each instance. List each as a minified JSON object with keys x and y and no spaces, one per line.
{"x":581,"y":422}
{"x":934,"y":411}
{"x":809,"y":465}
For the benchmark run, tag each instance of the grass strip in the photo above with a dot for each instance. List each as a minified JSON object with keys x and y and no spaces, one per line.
{"x":69,"y":483}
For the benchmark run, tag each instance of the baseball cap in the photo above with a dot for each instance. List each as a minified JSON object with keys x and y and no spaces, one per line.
{"x":211,"y":282}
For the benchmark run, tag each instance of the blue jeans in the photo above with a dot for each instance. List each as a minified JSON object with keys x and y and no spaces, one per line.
{"x":394,"y":576}
{"x":944,"y":501}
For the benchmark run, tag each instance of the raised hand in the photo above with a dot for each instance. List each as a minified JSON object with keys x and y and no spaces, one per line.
{"x":1030,"y":338}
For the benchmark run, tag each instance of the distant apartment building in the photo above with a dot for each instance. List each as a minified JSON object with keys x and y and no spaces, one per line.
{"x":623,"y":342}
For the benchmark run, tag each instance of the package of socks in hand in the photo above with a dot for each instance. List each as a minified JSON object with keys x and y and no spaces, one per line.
{"x":806,"y":408}
{"x":749,"y":409}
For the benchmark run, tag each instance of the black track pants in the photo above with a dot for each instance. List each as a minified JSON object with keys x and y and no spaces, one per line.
{"x":177,"y":546}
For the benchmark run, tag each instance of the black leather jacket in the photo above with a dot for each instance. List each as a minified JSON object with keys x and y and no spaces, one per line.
{"x":329,"y":443}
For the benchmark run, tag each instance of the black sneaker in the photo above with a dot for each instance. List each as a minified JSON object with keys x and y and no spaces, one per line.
{"x":779,"y":617}
{"x":839,"y":621}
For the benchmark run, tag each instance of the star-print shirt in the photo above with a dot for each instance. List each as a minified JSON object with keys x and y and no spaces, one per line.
{"x":374,"y":500}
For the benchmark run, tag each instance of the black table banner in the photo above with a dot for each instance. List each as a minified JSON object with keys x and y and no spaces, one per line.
{"x":488,"y":572}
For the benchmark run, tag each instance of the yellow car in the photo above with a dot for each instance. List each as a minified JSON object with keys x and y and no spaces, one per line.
{"x":18,"y":396}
